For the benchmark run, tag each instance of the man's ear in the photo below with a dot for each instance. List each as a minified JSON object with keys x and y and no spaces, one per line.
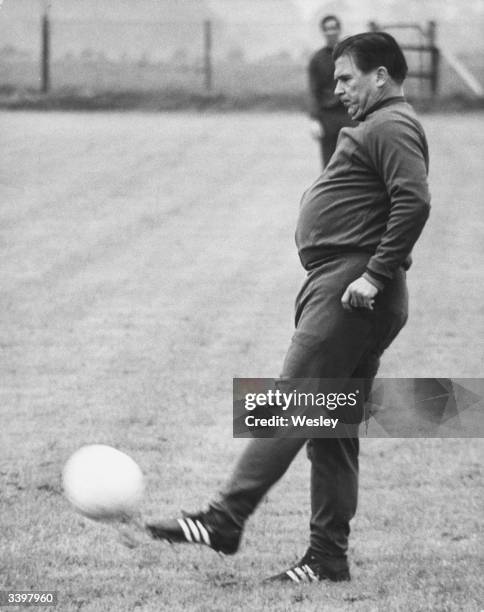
{"x":382,"y":76}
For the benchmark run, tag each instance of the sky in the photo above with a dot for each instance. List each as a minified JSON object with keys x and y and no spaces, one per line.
{"x":408,"y":10}
{"x":460,"y":22}
{"x":307,"y":8}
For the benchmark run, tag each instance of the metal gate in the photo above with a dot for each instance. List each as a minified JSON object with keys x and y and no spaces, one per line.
{"x":423,"y":56}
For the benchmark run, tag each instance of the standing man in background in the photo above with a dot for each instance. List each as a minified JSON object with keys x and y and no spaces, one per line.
{"x":327,"y":111}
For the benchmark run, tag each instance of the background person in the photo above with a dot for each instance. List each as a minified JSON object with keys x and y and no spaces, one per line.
{"x":328,"y":113}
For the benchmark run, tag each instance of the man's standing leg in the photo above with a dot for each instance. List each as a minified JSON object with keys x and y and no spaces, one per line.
{"x":334,"y":495}
{"x":334,"y":462}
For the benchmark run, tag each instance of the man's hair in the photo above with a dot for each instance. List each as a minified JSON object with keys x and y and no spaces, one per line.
{"x":372,"y":49}
{"x":325,"y":20}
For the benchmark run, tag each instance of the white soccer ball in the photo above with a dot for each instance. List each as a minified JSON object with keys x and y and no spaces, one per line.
{"x":103,"y":483}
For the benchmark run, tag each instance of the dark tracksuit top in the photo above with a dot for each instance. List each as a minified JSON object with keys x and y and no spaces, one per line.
{"x":373,"y":196}
{"x":322,"y":84}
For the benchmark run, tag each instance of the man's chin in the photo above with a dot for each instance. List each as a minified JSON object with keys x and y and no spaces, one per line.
{"x":354,"y":113}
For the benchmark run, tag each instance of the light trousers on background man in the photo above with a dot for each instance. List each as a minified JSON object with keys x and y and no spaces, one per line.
{"x":329,"y":342}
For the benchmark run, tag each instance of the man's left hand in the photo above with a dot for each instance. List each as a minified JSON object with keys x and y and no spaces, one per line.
{"x":359,"y":294}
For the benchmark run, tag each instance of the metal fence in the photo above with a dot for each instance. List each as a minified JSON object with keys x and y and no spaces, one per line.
{"x":199,"y":56}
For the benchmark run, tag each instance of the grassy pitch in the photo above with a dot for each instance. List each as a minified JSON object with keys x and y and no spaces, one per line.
{"x":147,"y":260}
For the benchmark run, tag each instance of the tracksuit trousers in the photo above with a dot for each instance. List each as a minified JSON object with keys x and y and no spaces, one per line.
{"x":329,"y":342}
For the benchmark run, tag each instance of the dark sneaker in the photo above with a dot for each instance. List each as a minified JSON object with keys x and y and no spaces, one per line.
{"x":313,"y":569}
{"x":209,"y":528}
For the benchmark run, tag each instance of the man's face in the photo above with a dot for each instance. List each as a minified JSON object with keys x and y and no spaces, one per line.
{"x":331,"y":32}
{"x":357,"y":91}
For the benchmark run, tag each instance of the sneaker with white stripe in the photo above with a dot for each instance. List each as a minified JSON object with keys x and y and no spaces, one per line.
{"x":207,"y":528}
{"x":312,"y":568}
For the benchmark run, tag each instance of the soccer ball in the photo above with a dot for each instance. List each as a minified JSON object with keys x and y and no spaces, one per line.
{"x":103,"y":483}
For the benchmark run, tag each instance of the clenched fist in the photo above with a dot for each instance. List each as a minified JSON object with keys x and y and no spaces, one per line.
{"x":359,"y":294}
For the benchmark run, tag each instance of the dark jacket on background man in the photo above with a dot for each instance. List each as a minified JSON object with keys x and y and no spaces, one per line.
{"x":325,"y":105}
{"x":322,"y":84}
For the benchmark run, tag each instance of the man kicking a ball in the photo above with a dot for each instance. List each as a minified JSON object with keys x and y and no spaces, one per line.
{"x":357,"y":226}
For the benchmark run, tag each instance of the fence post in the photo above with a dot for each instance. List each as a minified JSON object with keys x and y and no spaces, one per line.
{"x":207,"y":61}
{"x":434,"y":57}
{"x":45,"y":50}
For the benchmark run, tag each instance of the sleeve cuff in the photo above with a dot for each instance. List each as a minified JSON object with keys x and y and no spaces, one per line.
{"x":376,"y":282}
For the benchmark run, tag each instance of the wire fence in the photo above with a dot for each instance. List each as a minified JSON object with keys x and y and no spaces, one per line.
{"x":199,"y":56}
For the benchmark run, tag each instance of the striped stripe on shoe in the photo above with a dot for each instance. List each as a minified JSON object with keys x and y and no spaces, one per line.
{"x":302,"y":573}
{"x":194,"y":531}
{"x":211,"y":528}
{"x":313,"y":568}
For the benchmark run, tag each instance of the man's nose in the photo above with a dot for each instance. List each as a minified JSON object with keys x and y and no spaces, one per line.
{"x":338,"y":90}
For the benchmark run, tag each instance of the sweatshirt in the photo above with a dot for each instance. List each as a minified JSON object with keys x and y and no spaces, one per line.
{"x":373,"y":196}
{"x":322,"y":84}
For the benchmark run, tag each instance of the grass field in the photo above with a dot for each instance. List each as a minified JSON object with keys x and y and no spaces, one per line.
{"x":148,"y":259}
